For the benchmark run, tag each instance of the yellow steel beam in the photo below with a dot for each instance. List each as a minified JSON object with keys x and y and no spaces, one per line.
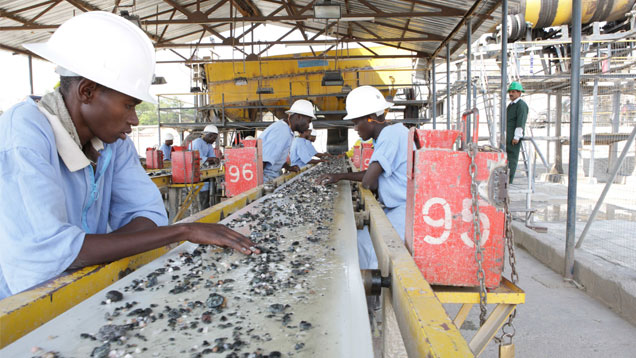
{"x":212,"y":173}
{"x":162,"y":181}
{"x":192,"y":194}
{"x":506,"y":293}
{"x":425,"y":326}
{"x":25,"y":311}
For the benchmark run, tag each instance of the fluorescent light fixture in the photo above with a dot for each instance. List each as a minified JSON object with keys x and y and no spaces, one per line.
{"x":240,"y":81}
{"x":325,"y":9}
{"x":332,"y":78}
{"x":265,"y":90}
{"x":367,"y":18}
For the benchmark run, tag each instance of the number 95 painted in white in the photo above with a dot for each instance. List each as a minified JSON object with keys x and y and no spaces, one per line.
{"x":447,"y":221}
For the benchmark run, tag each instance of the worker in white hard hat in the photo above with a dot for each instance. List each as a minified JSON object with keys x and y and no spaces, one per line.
{"x":386,"y":173}
{"x":73,"y":191}
{"x":166,"y":147}
{"x":277,"y":138}
{"x":302,"y":150}
{"x":204,"y":145}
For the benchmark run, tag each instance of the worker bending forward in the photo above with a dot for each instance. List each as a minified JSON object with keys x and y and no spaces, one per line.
{"x":302,"y":150}
{"x":516,"y":115}
{"x":277,"y":138}
{"x":386,"y":173}
{"x":73,"y":190}
{"x":207,"y":156}
{"x":166,"y":147}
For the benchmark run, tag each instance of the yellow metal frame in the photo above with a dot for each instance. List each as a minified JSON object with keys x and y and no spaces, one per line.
{"x":26,"y":311}
{"x":189,"y":199}
{"x":162,"y":181}
{"x":426,"y":328}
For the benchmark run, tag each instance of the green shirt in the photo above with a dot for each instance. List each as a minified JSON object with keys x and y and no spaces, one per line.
{"x":516,"y":115}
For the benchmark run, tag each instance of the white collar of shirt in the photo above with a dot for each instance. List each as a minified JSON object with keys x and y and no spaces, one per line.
{"x":516,"y":100}
{"x":71,"y":154}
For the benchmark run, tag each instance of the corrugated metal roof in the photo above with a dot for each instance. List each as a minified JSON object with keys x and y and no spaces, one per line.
{"x":21,"y":14}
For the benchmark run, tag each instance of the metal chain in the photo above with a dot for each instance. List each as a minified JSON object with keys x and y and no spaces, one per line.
{"x":479,"y":255}
{"x":508,"y":329}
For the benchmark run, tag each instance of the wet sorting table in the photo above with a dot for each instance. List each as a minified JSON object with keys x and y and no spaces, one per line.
{"x":303,"y":297}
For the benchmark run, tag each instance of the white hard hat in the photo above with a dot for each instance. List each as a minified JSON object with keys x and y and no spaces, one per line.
{"x":211,"y":128}
{"x":169,"y":136}
{"x":104,"y":48}
{"x":304,"y":107}
{"x":365,"y":100}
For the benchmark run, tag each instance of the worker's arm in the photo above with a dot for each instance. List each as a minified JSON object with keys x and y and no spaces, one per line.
{"x":522,"y":116}
{"x":336,"y":177}
{"x":142,"y":234}
{"x":371,"y":175}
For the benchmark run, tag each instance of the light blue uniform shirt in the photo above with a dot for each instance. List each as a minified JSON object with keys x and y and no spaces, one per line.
{"x":166,"y":149}
{"x":46,"y":210}
{"x":301,"y":152}
{"x":390,"y":151}
{"x":277,"y":140}
{"x":206,"y":150}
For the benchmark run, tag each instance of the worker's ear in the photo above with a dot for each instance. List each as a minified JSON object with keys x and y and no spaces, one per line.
{"x":86,"y":90}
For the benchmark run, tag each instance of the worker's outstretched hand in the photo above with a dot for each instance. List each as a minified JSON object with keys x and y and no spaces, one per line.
{"x":220,"y":235}
{"x":327,"y":179}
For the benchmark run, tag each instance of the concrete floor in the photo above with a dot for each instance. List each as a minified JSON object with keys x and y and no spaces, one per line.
{"x":559,"y":320}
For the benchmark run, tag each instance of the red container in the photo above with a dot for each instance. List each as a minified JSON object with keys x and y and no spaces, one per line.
{"x":356,"y":156}
{"x":439,"y":226}
{"x":365,"y":157}
{"x":176,"y":148}
{"x":154,"y":158}
{"x":186,"y":167}
{"x":243,"y":167}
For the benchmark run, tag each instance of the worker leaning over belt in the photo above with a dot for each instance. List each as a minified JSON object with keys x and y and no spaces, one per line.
{"x":302,"y":150}
{"x":207,"y":155}
{"x":166,"y":147}
{"x":73,"y":191}
{"x":386,"y":173}
{"x":277,"y":138}
{"x":516,"y":115}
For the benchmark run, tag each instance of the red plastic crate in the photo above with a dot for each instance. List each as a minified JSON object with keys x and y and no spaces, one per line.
{"x":154,"y":158}
{"x":365,"y":157}
{"x":243,"y":167}
{"x":439,"y":227}
{"x":186,"y":167}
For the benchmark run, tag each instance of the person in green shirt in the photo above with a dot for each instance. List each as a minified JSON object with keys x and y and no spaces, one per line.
{"x":516,"y":116}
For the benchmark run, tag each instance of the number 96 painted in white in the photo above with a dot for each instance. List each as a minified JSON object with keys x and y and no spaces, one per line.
{"x":235,"y":172}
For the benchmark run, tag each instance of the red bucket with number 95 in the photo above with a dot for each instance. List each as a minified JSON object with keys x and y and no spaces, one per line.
{"x":439,"y":215}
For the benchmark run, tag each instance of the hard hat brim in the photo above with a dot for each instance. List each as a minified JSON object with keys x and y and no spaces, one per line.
{"x":311,"y":115}
{"x":366,"y":113}
{"x":43,"y":50}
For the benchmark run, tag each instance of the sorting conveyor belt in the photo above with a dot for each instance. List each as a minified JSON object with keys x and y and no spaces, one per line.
{"x":302,"y":296}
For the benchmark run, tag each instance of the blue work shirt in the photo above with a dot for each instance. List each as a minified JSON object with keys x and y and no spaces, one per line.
{"x":206,"y":150}
{"x":277,"y":139}
{"x":166,"y":149}
{"x":301,"y":152}
{"x":46,"y":209}
{"x":390,"y":152}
